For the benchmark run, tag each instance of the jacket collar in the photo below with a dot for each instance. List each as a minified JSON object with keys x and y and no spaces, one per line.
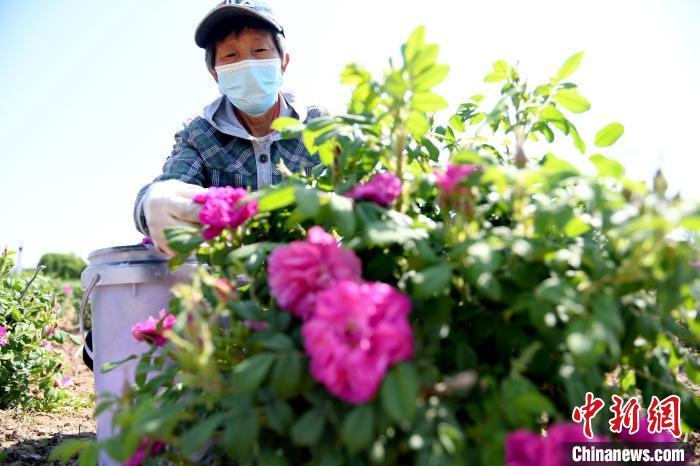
{"x":220,"y":114}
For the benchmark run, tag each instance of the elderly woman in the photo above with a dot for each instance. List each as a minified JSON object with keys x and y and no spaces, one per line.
{"x":232,"y":142}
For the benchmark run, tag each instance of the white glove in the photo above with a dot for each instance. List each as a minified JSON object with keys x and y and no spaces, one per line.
{"x":167,"y":204}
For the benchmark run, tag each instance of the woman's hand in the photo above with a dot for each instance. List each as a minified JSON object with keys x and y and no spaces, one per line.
{"x":169,"y":203}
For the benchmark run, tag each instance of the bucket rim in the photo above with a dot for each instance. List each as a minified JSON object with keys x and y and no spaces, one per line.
{"x":112,"y":249}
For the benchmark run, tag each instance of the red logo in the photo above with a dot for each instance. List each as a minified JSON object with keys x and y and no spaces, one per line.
{"x":624,"y":415}
{"x":587,"y":412}
{"x":664,"y":415}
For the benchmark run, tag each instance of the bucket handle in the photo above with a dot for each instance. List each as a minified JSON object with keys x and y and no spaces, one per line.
{"x":83,"y":303}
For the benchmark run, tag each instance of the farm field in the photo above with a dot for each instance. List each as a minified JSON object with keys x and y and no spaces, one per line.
{"x":27,"y":438}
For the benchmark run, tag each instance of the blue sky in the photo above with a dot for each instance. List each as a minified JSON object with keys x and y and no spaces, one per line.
{"x":91,"y":93}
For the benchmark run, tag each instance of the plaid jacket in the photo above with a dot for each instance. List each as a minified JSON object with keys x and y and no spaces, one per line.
{"x":204,"y":156}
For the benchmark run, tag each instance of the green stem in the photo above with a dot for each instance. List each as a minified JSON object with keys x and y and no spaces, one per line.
{"x":400,"y":131}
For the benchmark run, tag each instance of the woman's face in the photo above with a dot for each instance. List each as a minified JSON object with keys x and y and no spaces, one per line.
{"x":250,"y":44}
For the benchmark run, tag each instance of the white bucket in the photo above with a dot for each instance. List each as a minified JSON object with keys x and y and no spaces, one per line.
{"x":126,"y":285}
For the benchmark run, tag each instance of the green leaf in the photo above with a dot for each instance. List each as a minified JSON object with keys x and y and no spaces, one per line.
{"x":495,"y":76}
{"x":286,"y":376}
{"x":571,"y":100}
{"x":271,"y":458}
{"x":241,"y":432}
{"x":609,"y":135}
{"x":414,"y":43}
{"x":108,"y":366}
{"x":196,"y":437}
{"x":544,"y":89}
{"x":343,"y":214}
{"x":276,"y":341}
{"x":183,"y":239}
{"x":89,"y":455}
{"x":550,"y":113}
{"x":286,"y":124}
{"x":428,"y":102}
{"x":457,"y":123}
{"x":691,"y":222}
{"x":431,"y":280}
{"x":500,"y":65}
{"x":248,"y":250}
{"x":417,"y":124}
{"x":276,"y":199}
{"x":569,"y":66}
{"x":308,"y":202}
{"x":578,"y":142}
{"x":279,"y":416}
{"x":307,"y":430}
{"x":357,"y":430}
{"x":399,"y":393}
{"x":576,"y":227}
{"x":430,"y":77}
{"x":607,"y":168}
{"x":424,"y":59}
{"x":249,"y":373}
{"x":68,"y":450}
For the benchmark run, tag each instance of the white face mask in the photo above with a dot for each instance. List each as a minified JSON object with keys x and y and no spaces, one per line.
{"x":251,"y":85}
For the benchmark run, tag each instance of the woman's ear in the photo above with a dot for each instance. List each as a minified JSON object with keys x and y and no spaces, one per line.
{"x":214,"y":75}
{"x":285,"y":62}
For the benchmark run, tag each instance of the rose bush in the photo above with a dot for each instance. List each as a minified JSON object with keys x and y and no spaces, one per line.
{"x":479,"y":289}
{"x":31,"y":368}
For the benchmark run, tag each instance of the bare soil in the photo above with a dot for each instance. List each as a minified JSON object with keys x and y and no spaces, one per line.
{"x":27,"y":438}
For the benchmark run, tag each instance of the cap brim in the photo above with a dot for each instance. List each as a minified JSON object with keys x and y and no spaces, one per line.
{"x":224,"y":12}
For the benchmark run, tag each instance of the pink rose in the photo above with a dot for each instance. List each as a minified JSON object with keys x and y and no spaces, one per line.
{"x":356,"y":333}
{"x":224,"y":207}
{"x":524,"y":448}
{"x":146,"y":449}
{"x":382,"y":189}
{"x":449,"y":181}
{"x":298,"y":271}
{"x":4,"y":340}
{"x":68,"y":290}
{"x":149,"y":330}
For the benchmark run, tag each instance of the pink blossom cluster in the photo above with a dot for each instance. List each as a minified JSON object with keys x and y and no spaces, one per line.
{"x":299,"y":271}
{"x":525,"y":448}
{"x":382,"y":188}
{"x":224,"y":207}
{"x":4,"y":340}
{"x":354,"y":331}
{"x":152,"y":330}
{"x":357,"y":331}
{"x":68,"y":290}
{"x":451,"y":184}
{"x":146,"y":449}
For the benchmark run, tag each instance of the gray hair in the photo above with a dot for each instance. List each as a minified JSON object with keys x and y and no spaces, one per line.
{"x":237,"y":28}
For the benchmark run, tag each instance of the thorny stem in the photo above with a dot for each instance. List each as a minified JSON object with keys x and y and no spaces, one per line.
{"x":36,"y":272}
